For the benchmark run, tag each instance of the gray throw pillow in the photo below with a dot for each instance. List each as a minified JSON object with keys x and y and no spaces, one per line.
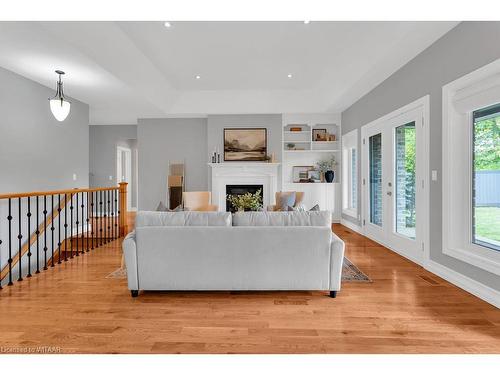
{"x":286,"y":200}
{"x":291,"y":208}
{"x":161,"y":207}
{"x":315,"y":208}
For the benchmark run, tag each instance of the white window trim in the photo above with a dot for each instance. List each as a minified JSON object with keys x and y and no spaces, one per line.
{"x":349,"y":142}
{"x":461,"y":97}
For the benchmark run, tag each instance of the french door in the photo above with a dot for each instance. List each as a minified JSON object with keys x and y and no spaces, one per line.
{"x":393,"y":182}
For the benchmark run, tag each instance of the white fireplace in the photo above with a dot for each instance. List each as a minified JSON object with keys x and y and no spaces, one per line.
{"x":243,"y":173}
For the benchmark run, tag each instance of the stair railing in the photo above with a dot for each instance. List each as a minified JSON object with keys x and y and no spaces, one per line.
{"x":39,"y":230}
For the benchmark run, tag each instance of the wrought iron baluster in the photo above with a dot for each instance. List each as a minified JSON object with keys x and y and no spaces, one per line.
{"x":77,"y":223}
{"x":71,"y":227}
{"x":29,"y":237}
{"x":92,"y":224}
{"x":9,"y":218}
{"x":20,"y":241}
{"x":65,"y":227}
{"x":105,"y":218}
{"x":87,"y":220}
{"x":59,"y":229}
{"x":37,"y":235}
{"x":45,"y":248}
{"x":52,"y":228}
{"x":100,"y":221}
{"x":82,"y":206}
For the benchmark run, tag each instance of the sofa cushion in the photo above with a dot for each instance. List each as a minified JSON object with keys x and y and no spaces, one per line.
{"x":182,"y":219}
{"x":283,"y":219}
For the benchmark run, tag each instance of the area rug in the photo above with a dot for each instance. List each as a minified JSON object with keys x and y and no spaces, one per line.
{"x":349,"y":273}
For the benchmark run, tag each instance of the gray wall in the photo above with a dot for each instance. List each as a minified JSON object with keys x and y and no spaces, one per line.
{"x":161,"y":141}
{"x":36,"y":151}
{"x":465,"y":48}
{"x":102,"y":148}
{"x":273,"y":123}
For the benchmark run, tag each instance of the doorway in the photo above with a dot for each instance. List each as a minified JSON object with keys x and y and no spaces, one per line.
{"x":395,"y":180}
{"x":124,"y":170}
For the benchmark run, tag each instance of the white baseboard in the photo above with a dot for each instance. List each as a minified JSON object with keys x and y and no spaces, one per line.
{"x":352,"y":226}
{"x":474,"y":287}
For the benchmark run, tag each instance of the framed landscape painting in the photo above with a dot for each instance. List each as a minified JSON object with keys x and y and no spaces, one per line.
{"x":245,"y":144}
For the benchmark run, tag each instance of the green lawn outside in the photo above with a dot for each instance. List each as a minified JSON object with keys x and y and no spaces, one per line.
{"x":488,"y":222}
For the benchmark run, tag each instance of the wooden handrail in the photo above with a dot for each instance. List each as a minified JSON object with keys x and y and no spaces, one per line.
{"x":55,"y":192}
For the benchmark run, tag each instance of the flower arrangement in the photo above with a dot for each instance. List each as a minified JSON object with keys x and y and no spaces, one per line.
{"x":247,"y":201}
{"x":326,"y":165}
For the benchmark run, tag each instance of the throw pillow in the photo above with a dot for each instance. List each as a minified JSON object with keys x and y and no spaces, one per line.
{"x":315,"y":208}
{"x":161,"y":207}
{"x":177,"y":209}
{"x":286,"y":200}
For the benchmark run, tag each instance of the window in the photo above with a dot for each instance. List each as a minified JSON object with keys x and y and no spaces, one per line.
{"x":350,"y":174}
{"x":471,"y":164}
{"x":375,"y":158}
{"x":486,"y":177}
{"x":405,"y":169}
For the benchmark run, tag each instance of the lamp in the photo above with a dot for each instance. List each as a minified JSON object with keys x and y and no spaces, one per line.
{"x":58,"y":104}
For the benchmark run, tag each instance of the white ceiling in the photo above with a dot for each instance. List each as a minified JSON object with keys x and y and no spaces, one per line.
{"x":130,"y":70}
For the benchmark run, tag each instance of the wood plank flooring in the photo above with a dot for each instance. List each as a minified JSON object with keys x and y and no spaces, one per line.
{"x":406,"y":309}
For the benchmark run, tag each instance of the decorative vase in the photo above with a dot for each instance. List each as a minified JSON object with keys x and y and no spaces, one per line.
{"x":329,"y":176}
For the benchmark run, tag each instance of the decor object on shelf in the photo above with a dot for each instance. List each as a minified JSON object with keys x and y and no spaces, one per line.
{"x":300,"y":173}
{"x":296,"y":128}
{"x":198,"y":201}
{"x":314,"y":176}
{"x":247,"y":201}
{"x":59,"y":105}
{"x":245,"y":144}
{"x":326,"y":167}
{"x":215,"y":156}
{"x":319,"y":135}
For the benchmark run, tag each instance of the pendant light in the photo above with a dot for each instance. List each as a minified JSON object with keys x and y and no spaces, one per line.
{"x":58,"y":104}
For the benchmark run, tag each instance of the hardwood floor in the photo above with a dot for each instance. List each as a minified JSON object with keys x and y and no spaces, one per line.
{"x":76,"y":309}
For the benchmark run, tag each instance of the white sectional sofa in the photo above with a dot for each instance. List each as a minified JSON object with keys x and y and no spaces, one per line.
{"x":244,"y":251}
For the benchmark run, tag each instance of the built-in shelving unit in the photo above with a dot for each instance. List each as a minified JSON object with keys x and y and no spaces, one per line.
{"x":300,"y":148}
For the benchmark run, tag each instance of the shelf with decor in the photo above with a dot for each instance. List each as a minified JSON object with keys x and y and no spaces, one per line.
{"x":316,"y":139}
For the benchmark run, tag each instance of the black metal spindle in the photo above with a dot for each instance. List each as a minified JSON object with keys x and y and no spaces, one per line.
{"x":100,"y":221}
{"x":118,"y":212}
{"x":65,"y":227}
{"x":20,"y":241}
{"x":9,"y":218}
{"x":113,"y":214}
{"x":92,"y":224}
{"x":29,"y":237}
{"x":59,"y":228}
{"x":45,"y":248}
{"x":77,"y":229}
{"x":0,"y":257}
{"x":105,"y":217}
{"x":82,"y":206}
{"x":87,"y":220}
{"x":52,"y":228}
{"x":71,"y":227}
{"x":37,"y":235}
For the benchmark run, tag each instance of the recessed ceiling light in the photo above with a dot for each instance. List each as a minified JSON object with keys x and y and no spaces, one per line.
{"x":197,"y":77}
{"x":289,"y":76}
{"x":167,"y":24}
{"x":306,"y":22}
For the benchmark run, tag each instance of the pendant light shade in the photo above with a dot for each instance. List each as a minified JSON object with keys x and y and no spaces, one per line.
{"x":59,"y":106}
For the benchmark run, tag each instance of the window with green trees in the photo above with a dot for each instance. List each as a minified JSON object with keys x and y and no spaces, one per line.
{"x":486,"y":177}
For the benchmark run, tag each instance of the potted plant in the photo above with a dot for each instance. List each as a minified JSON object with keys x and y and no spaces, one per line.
{"x":326,"y":167}
{"x":247,"y":201}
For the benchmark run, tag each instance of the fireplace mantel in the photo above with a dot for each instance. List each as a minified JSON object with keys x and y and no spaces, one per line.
{"x":243,"y":173}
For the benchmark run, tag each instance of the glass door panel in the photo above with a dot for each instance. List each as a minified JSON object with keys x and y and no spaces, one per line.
{"x":375,"y":160}
{"x":405,"y":186}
